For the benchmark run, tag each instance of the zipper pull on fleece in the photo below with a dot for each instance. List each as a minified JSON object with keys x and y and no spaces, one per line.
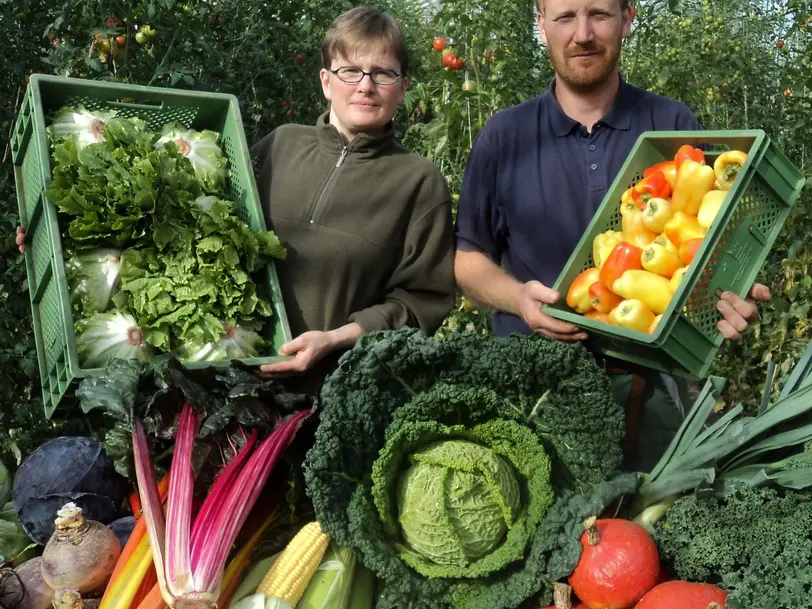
{"x":342,"y":157}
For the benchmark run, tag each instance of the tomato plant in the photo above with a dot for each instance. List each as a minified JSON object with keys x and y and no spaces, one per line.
{"x":438,"y":43}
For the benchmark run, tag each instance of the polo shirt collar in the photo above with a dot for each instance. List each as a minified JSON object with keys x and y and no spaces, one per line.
{"x":619,"y":116}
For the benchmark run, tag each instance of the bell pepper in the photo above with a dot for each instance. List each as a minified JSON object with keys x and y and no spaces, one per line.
{"x":603,"y":244}
{"x":677,"y":279}
{"x":650,"y":288}
{"x":634,"y":231}
{"x":597,"y":316}
{"x":632,"y":314}
{"x":688,"y":250}
{"x":603,"y":299}
{"x":657,"y":212}
{"x":682,"y":227}
{"x":659,"y":259}
{"x":578,"y":297}
{"x":694,"y":181}
{"x":655,"y":185}
{"x":624,"y":257}
{"x":727,"y":167}
{"x":666,"y":242}
{"x":710,"y":206}
{"x":688,"y":152}
{"x":669,"y":169}
{"x":654,"y":323}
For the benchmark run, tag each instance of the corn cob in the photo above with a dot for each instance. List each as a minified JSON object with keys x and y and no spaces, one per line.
{"x":292,"y":571}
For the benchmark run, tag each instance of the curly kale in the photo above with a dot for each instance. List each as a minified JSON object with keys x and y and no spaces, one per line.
{"x":756,"y":542}
{"x":391,"y":380}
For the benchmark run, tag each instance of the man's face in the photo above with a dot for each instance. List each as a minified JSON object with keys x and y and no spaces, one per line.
{"x":583,"y":38}
{"x":364,"y":107}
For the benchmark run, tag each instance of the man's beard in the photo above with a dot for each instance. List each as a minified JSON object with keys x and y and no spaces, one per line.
{"x":586,"y":80}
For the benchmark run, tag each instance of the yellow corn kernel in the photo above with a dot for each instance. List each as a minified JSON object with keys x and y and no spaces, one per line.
{"x":292,"y":571}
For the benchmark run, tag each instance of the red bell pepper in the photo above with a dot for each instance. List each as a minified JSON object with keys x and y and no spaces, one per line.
{"x":603,"y":299}
{"x":689,"y":152}
{"x":623,"y":258}
{"x":669,"y":169}
{"x":655,"y":186}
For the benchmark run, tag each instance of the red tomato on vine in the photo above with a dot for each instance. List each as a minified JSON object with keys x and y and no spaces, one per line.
{"x":438,"y":43}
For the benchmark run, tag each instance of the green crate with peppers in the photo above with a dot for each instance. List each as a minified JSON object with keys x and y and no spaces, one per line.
{"x":690,"y":215}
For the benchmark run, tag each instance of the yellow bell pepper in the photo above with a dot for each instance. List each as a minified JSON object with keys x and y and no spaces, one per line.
{"x":727,"y":167}
{"x":656,"y":214}
{"x":634,"y":231}
{"x":676,"y":279}
{"x":666,"y":242}
{"x":598,"y":316}
{"x":658,"y":259}
{"x":603,"y":245}
{"x":711,"y":204}
{"x":654,"y":323}
{"x":688,"y":250}
{"x":652,"y":289}
{"x":578,"y":297}
{"x":694,"y":181}
{"x":682,"y":227}
{"x":632,"y":314}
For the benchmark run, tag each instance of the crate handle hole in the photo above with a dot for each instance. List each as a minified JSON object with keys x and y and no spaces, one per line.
{"x":757,"y":235}
{"x":131,"y":103}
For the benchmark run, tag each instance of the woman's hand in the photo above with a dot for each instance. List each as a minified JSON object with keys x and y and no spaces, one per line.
{"x":310,"y":348}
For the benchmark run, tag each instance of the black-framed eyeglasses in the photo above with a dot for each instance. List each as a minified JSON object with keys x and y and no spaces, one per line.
{"x":352,"y":76}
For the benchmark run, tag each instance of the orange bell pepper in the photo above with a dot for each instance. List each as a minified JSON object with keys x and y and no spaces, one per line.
{"x":653,"y":186}
{"x":694,"y":181}
{"x":624,"y":257}
{"x":578,"y":297}
{"x":682,"y":227}
{"x":669,"y":169}
{"x":648,"y":287}
{"x":598,"y":316}
{"x":657,"y":258}
{"x":688,"y":250}
{"x":688,"y":152}
{"x":654,"y":323}
{"x":635,"y":231}
{"x":603,"y":245}
{"x":676,"y":279}
{"x":658,"y":211}
{"x":727,"y":167}
{"x":709,"y":208}
{"x":632,"y":314}
{"x":603,"y":299}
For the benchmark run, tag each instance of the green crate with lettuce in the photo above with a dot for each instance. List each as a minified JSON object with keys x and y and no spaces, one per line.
{"x":157,"y":258}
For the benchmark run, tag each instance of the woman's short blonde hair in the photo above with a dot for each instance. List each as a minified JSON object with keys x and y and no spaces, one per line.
{"x":360,"y":30}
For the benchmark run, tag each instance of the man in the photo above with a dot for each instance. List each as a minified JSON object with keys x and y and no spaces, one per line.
{"x":536,"y":176}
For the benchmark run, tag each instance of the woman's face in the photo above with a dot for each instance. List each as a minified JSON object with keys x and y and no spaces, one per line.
{"x":363,"y":107}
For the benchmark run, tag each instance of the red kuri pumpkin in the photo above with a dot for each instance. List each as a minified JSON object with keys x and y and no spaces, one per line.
{"x":683,"y":595}
{"x":618,"y":565}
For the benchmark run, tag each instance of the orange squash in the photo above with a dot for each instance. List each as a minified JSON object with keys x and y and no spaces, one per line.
{"x":683,"y":595}
{"x":618,"y":565}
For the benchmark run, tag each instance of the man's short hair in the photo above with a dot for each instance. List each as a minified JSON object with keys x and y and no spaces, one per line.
{"x":361,"y":29}
{"x":623,"y":4}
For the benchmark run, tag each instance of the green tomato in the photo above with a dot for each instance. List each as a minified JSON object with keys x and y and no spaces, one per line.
{"x":469,"y":85}
{"x":140,"y":37}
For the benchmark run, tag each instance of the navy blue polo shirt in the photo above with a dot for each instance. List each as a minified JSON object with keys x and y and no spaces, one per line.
{"x":535,"y":178}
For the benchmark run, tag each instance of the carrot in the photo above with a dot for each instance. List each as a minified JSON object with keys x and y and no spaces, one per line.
{"x":153,"y":600}
{"x":240,"y":562}
{"x":130,"y":549}
{"x":135,"y":503}
{"x":149,"y":581}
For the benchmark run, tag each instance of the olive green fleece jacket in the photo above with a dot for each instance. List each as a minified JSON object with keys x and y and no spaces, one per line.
{"x":367,"y":227}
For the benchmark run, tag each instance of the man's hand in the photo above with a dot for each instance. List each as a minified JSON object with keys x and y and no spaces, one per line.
{"x":532,"y":295}
{"x":308,"y":349}
{"x":738,"y":313}
{"x":20,"y":239}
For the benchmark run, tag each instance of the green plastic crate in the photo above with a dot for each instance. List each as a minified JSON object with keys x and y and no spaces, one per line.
{"x":687,"y":340}
{"x":50,"y":300}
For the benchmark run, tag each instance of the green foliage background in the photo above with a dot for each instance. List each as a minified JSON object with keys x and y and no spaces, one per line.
{"x":736,"y":63}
